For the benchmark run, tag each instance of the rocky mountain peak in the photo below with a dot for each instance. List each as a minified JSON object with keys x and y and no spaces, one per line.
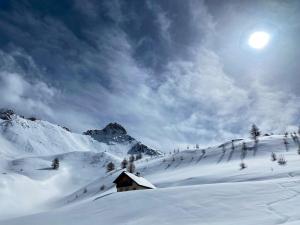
{"x":114,"y":133}
{"x":6,"y":114}
{"x":114,"y":129}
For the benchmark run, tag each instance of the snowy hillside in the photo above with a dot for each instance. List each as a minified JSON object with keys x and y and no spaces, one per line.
{"x":197,"y":186}
{"x":24,"y":137}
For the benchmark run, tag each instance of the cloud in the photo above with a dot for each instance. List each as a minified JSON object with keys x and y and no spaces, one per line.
{"x":162,"y":72}
{"x":29,"y":97}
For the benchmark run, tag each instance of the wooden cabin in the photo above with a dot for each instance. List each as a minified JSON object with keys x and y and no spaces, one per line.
{"x":128,"y":182}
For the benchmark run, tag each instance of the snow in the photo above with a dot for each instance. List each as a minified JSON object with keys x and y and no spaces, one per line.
{"x":191,"y":187}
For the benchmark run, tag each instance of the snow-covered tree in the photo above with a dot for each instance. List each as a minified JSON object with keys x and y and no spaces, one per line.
{"x":55,"y":164}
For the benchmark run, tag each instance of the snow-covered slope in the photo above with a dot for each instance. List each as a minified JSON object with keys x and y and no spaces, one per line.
{"x":204,"y":186}
{"x":23,"y":137}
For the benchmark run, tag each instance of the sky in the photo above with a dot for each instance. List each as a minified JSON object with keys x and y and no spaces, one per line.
{"x":172,"y":72}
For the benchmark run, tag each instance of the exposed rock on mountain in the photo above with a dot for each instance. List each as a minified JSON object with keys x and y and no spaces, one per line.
{"x":6,"y":114}
{"x":114,"y":133}
{"x":111,"y":134}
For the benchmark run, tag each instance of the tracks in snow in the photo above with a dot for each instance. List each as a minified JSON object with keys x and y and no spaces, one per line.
{"x":284,"y":218}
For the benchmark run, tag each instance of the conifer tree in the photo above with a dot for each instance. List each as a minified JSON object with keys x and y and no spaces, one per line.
{"x":255,"y":133}
{"x":110,"y":167}
{"x":55,"y":164}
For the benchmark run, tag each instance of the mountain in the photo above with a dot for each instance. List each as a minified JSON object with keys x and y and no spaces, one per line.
{"x":114,"y":133}
{"x":20,"y":137}
{"x":31,"y":136}
{"x":196,"y":186}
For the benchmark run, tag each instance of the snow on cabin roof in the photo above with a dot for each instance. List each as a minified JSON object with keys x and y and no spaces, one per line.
{"x":139,"y":180}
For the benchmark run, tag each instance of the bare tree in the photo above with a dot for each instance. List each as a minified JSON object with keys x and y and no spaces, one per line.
{"x":286,"y":143}
{"x":244,"y":150}
{"x":124,"y":163}
{"x":131,"y":167}
{"x":232,"y":145}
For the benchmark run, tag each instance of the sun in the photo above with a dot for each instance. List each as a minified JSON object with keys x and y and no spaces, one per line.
{"x":259,"y":39}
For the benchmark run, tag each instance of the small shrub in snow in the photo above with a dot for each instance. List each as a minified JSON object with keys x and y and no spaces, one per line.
{"x":281,"y":160}
{"x":243,"y":166}
{"x":102,"y":187}
{"x":84,"y":191}
{"x":203,"y":151}
{"x":55,"y":164}
{"x":273,"y":157}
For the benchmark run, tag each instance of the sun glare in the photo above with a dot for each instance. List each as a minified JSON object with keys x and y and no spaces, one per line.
{"x":259,"y":39}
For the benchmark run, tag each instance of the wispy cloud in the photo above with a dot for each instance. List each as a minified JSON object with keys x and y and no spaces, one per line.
{"x":159,"y":70}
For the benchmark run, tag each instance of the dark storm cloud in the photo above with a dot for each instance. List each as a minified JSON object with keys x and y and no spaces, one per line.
{"x":173,"y":72}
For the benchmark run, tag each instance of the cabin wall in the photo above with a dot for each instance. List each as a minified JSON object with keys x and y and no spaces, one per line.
{"x":133,"y":187}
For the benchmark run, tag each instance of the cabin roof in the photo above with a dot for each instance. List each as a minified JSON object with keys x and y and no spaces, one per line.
{"x":139,"y":180}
